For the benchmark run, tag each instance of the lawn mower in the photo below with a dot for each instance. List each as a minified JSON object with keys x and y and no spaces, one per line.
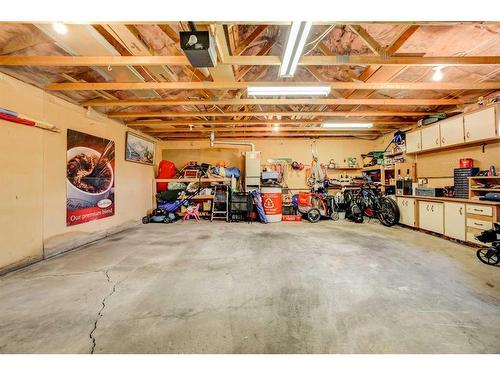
{"x":165,"y":211}
{"x":159,"y":215}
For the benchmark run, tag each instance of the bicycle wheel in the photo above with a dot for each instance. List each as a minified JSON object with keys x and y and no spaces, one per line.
{"x":313,"y":215}
{"x":488,"y":256}
{"x":389,"y":212}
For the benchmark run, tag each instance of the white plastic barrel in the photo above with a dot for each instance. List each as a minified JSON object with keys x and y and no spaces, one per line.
{"x":272,"y":200}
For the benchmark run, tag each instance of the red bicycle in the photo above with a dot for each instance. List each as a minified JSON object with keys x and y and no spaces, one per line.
{"x":316,"y":205}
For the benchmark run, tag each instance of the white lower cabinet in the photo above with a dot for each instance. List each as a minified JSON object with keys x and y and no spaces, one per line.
{"x":406,"y":211}
{"x":454,"y":220}
{"x":431,"y":216}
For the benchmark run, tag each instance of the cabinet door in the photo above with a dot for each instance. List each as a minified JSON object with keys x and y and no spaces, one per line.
{"x":430,"y":137}
{"x":454,"y":220}
{"x":406,"y":211}
{"x":480,"y":125}
{"x":452,"y":131}
{"x":431,"y":216}
{"x":413,"y":141}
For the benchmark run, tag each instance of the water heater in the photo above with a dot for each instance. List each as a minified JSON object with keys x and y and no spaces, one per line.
{"x":252,"y":170}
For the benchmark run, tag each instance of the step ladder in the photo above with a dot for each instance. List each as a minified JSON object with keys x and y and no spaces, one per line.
{"x":220,"y":205}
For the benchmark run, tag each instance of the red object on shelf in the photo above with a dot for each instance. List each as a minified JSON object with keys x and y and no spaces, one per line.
{"x":466,"y":163}
{"x":166,"y":169}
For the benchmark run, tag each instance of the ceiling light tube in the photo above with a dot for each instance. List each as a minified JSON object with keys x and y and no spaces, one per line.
{"x":438,"y":73}
{"x":288,"y":90}
{"x":60,"y":28}
{"x":347,"y":125}
{"x":299,"y":31}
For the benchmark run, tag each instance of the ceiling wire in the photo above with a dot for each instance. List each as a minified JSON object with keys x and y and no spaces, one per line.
{"x":318,"y":40}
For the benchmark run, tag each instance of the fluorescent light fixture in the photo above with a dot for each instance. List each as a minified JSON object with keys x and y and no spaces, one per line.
{"x":347,"y":125}
{"x":60,"y":28}
{"x":438,"y":74}
{"x":299,"y":31}
{"x":288,"y":90}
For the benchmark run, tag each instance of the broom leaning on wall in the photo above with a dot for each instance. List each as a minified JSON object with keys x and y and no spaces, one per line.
{"x":11,"y":116}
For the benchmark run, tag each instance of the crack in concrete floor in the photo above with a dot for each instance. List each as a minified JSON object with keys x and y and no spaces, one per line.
{"x":255,"y":289}
{"x":101,"y":312}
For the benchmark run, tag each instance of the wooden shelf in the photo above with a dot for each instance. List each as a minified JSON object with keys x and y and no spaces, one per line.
{"x":484,"y":177}
{"x":377,"y":167}
{"x":477,"y":191}
{"x":395,"y":154}
{"x":211,"y":179}
{"x":345,"y":168}
{"x":202,"y":197}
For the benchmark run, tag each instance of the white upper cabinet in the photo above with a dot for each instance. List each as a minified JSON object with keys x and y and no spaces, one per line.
{"x":430,"y":137}
{"x":480,"y":125}
{"x":413,"y":141}
{"x":452,"y":131}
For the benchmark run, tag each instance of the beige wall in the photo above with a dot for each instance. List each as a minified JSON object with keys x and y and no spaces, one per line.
{"x":33,"y":178}
{"x":298,"y":150}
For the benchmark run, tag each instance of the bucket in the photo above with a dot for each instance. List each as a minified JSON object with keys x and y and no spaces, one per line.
{"x":272,"y":201}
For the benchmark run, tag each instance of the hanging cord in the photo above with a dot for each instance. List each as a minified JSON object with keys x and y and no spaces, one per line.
{"x":318,"y":40}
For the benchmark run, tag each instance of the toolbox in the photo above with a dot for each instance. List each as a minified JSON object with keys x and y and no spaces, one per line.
{"x":461,"y":181}
{"x":429,"y":192}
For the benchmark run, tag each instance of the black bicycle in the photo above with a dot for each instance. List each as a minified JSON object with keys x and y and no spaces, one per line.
{"x":373,"y":204}
{"x":490,"y":255}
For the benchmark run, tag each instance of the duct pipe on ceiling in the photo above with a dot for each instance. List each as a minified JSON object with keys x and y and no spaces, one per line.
{"x":236,"y":143}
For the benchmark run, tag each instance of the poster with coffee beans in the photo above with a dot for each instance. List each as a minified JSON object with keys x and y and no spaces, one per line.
{"x":90,"y":183}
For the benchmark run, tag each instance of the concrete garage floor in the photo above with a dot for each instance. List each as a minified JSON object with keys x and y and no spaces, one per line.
{"x":332,"y":287}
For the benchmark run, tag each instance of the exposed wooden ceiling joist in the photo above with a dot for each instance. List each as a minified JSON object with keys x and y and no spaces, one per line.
{"x":155,"y":132}
{"x":267,"y":114}
{"x":242,"y":72}
{"x":204,"y":85}
{"x":248,"y":122}
{"x":367,"y":38}
{"x":177,"y":102}
{"x":261,"y":135}
{"x":13,"y":60}
{"x":245,"y":44}
{"x":401,"y":39}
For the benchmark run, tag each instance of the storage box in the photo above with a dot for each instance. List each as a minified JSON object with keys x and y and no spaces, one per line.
{"x":288,"y":210}
{"x":429,"y":192}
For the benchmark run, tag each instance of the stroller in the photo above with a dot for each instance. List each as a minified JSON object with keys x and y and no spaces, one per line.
{"x":490,"y":255}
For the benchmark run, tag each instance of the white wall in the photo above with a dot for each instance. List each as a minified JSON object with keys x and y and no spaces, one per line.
{"x":33,"y":178}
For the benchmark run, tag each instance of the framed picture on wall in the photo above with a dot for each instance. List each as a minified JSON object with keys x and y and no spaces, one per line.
{"x":139,"y":149}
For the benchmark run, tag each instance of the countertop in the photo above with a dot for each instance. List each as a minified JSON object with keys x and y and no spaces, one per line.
{"x":458,"y":200}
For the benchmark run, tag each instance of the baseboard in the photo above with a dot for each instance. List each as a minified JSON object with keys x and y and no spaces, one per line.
{"x":58,"y":245}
